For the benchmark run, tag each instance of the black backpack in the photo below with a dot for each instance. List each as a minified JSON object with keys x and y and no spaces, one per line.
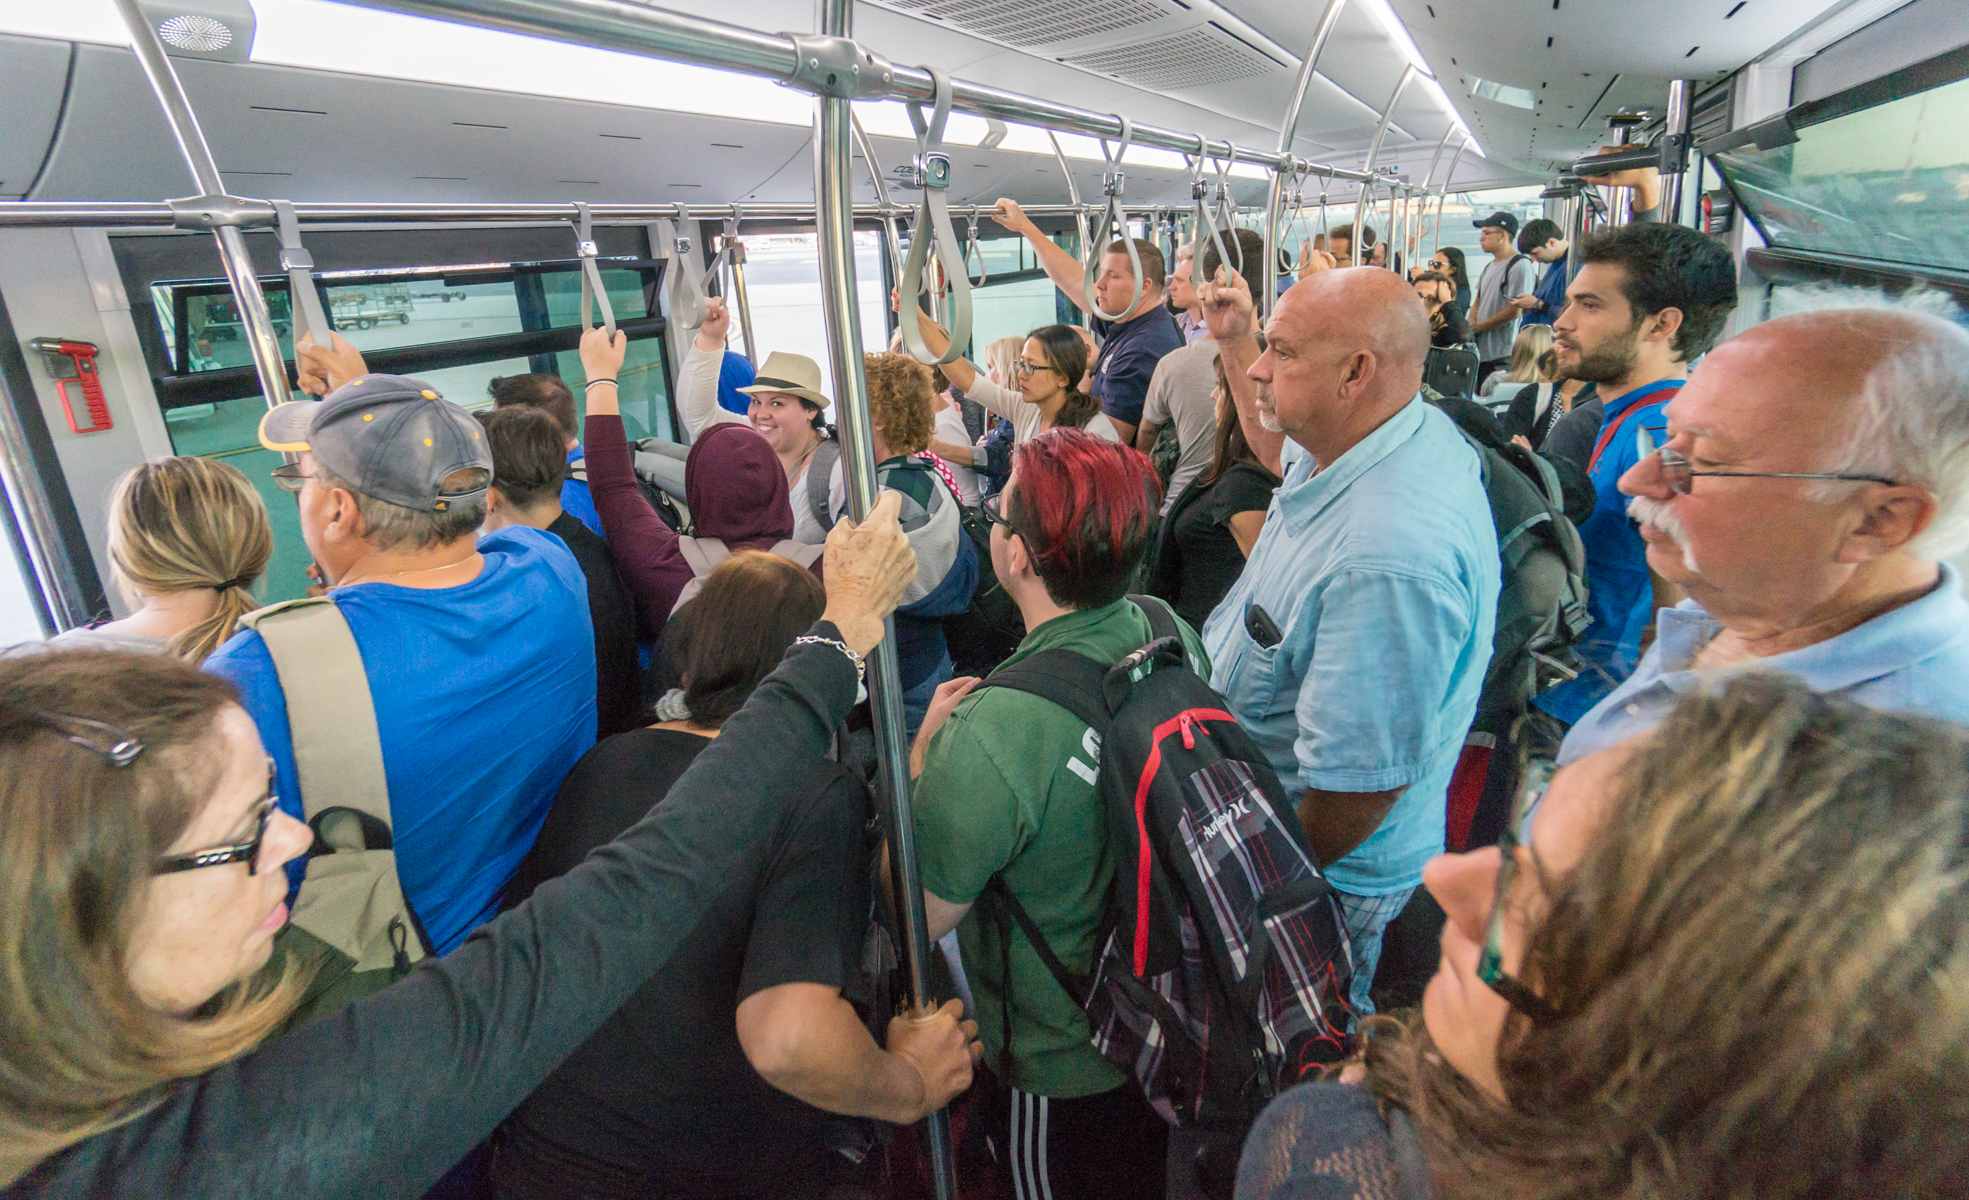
{"x":991,"y":627}
{"x":1224,"y":965}
{"x":1451,"y":371}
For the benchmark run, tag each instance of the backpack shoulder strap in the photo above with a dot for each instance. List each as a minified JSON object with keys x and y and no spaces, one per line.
{"x":338,"y":752}
{"x":1072,"y":681}
{"x":1161,"y":617}
{"x":820,"y":475}
{"x":804,"y":553}
{"x":578,"y":470}
{"x":702,"y":554}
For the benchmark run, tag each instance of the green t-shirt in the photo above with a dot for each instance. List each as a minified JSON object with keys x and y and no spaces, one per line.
{"x":1008,"y":785}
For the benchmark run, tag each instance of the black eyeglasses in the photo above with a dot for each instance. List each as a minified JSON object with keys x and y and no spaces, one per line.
{"x":219,"y":856}
{"x":291,"y":478}
{"x":993,"y":508}
{"x":1681,"y":474}
{"x":1490,"y":965}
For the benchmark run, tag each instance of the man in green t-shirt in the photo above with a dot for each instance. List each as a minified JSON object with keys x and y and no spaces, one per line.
{"x":1005,"y":791}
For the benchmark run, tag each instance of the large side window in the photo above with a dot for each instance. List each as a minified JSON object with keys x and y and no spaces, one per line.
{"x":782,"y":282}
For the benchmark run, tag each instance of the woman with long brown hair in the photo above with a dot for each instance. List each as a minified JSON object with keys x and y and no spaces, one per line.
{"x":1727,"y":959}
{"x":1046,"y":389}
{"x":188,"y":539}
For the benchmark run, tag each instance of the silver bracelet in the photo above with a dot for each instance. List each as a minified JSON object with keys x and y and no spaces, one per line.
{"x":809,"y":639}
{"x":598,"y":383}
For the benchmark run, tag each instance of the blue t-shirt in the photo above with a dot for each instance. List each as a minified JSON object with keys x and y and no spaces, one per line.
{"x":485,"y":698}
{"x":1551,"y":291}
{"x":1127,"y":361}
{"x":1619,"y":589}
{"x":576,"y":500}
{"x":1381,"y":576}
{"x":734,"y":373}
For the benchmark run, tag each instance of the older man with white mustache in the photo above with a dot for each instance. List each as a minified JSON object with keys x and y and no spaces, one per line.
{"x":1815,"y":470}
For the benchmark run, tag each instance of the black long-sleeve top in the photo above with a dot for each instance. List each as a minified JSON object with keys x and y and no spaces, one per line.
{"x":380,"y":1100}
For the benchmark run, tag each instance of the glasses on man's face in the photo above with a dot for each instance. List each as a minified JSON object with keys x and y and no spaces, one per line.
{"x":291,"y":478}
{"x":1490,"y":965}
{"x":1681,"y":474}
{"x":993,"y":509}
{"x":218,"y":856}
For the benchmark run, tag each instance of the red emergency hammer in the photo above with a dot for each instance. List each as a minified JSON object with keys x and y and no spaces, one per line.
{"x":75,"y":362}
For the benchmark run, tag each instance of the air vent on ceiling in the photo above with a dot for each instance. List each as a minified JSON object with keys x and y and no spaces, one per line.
{"x":189,"y":31}
{"x":221,"y":30}
{"x":1198,"y":58}
{"x":1027,"y":23}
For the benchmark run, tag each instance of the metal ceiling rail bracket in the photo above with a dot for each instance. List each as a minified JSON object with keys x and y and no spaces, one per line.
{"x":839,"y":67}
{"x":220,"y":211}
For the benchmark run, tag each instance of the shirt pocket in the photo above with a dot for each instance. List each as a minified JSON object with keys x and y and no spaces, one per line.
{"x":1253,"y":689}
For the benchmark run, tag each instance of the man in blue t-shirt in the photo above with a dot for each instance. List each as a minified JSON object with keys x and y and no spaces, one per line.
{"x":550,"y":394}
{"x":1134,"y":344}
{"x":1545,"y":242}
{"x":479,"y":653}
{"x":1647,"y":301}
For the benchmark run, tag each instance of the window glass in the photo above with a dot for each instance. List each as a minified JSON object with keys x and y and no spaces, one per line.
{"x":377,"y":316}
{"x":20,"y":618}
{"x":1010,"y":310}
{"x":782,"y":284}
{"x":640,"y":387}
{"x":1889,"y":182}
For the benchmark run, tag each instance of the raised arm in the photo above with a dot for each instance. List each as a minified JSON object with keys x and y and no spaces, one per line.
{"x":697,"y":379}
{"x":1006,"y":402}
{"x":1062,"y":268}
{"x":644,"y":548}
{"x":1233,"y":322}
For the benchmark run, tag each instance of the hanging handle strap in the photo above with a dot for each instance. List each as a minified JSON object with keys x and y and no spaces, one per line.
{"x":1114,"y":224}
{"x":932,"y":230}
{"x":1225,"y":219}
{"x":304,"y":302}
{"x":591,"y":273}
{"x":1201,"y":219}
{"x":730,"y":256}
{"x":686,"y":282}
{"x":970,"y":246}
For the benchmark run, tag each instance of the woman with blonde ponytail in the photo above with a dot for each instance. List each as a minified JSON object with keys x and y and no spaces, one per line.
{"x":188,"y":538}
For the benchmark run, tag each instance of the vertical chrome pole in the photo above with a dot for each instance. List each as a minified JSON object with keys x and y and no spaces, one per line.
{"x":1288,"y":130}
{"x":1675,"y":126}
{"x":253,"y":317}
{"x":841,"y":307}
{"x":1374,"y":152}
{"x":1442,"y":197}
{"x":741,"y":298}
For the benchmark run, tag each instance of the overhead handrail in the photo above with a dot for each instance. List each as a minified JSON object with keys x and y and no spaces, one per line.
{"x":1114,"y":221}
{"x":970,"y":245}
{"x":591,"y":272}
{"x":304,"y":302}
{"x":932,"y":229}
{"x":686,"y":285}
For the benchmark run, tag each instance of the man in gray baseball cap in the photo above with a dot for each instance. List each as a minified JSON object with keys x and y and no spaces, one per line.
{"x":478,"y":651}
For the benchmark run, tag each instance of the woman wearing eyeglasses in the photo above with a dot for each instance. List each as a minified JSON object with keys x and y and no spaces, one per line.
{"x":142,"y":888}
{"x":1727,"y":959}
{"x":1047,"y":378}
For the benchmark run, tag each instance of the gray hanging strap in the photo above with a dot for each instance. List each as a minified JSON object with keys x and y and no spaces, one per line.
{"x":1114,"y":224}
{"x":1202,"y":221}
{"x":932,"y":230}
{"x":304,"y":302}
{"x":1224,"y":221}
{"x":591,"y":272}
{"x":686,"y":286}
{"x":971,"y":246}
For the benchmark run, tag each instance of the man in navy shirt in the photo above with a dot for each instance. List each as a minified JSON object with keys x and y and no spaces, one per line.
{"x":1541,"y":239}
{"x":1134,"y":344}
{"x":1648,"y":299}
{"x":478,"y":651}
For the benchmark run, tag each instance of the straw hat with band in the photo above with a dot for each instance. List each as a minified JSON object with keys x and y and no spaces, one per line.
{"x":791,"y":375}
{"x":393,"y":438}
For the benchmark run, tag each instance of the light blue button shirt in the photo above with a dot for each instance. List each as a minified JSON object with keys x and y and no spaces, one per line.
{"x":1382,"y":573}
{"x":1913,"y":659}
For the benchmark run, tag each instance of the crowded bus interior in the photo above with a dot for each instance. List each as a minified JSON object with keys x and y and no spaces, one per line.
{"x":1006,"y":599}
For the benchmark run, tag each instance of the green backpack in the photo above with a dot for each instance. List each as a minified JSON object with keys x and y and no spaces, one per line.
{"x":351,"y":925}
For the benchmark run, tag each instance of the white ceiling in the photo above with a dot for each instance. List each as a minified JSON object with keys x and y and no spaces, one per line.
{"x":362,"y":138}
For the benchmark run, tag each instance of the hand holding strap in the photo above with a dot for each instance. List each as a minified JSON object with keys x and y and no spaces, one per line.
{"x":304,"y":302}
{"x":1114,"y":225}
{"x":932,"y":229}
{"x":591,"y":272}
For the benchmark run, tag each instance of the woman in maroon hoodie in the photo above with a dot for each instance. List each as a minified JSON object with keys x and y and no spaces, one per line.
{"x":733,"y":483}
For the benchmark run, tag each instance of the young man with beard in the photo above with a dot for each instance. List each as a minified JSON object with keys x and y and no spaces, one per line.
{"x":1647,"y":300}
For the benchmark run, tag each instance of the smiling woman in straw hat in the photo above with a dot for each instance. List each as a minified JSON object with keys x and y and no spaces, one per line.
{"x":789,"y":410}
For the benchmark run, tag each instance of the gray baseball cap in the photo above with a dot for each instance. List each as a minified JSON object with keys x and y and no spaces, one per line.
{"x":392,"y":437}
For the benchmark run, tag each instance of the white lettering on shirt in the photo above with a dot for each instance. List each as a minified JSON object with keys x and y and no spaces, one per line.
{"x":1090,"y":744}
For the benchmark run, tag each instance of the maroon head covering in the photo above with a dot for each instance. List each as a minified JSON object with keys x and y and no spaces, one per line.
{"x":736,"y":488}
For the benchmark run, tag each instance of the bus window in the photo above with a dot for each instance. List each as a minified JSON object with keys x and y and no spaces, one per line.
{"x":782,"y":285}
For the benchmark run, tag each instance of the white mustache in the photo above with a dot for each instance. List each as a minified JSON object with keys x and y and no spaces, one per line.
{"x":1662,"y":516}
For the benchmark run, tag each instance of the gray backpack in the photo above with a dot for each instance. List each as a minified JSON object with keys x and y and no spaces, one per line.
{"x":703,"y":554}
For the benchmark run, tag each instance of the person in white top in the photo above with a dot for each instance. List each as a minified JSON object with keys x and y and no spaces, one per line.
{"x":949,"y":430}
{"x":1049,"y":370}
{"x":787,"y":410}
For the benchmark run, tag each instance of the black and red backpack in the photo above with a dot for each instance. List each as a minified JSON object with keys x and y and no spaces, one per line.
{"x":1224,"y":964}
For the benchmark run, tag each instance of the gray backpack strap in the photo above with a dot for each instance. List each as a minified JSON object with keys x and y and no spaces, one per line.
{"x":703,"y":554}
{"x":351,"y":898}
{"x":820,"y":475}
{"x":578,"y":469}
{"x":804,"y":553}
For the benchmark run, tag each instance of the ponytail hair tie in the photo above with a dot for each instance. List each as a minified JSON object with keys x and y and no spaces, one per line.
{"x":243,"y":583}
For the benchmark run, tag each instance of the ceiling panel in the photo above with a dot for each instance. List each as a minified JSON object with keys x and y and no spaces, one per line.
{"x":31,"y":87}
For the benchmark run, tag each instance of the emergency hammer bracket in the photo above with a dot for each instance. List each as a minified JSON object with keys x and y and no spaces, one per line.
{"x":215,"y":212}
{"x":72,"y":362}
{"x":838,"y":67}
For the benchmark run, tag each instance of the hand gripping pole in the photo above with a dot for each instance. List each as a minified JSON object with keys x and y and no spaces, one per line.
{"x":686,"y":283}
{"x":932,"y":229}
{"x":304,"y":302}
{"x":1114,"y":224}
{"x":591,"y":272}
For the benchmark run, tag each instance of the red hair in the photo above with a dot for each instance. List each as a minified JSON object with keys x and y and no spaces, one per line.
{"x":1084,"y":506}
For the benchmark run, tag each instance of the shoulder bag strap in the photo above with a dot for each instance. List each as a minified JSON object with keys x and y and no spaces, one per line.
{"x":1072,"y":681}
{"x":338,"y":752}
{"x":702,"y":554}
{"x":820,"y":475}
{"x":804,"y":553}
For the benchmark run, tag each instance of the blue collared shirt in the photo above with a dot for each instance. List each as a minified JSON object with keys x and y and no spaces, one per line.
{"x":576,"y":500}
{"x":1551,"y":292}
{"x":1381,"y":572}
{"x":1912,"y":659}
{"x":1619,"y":590}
